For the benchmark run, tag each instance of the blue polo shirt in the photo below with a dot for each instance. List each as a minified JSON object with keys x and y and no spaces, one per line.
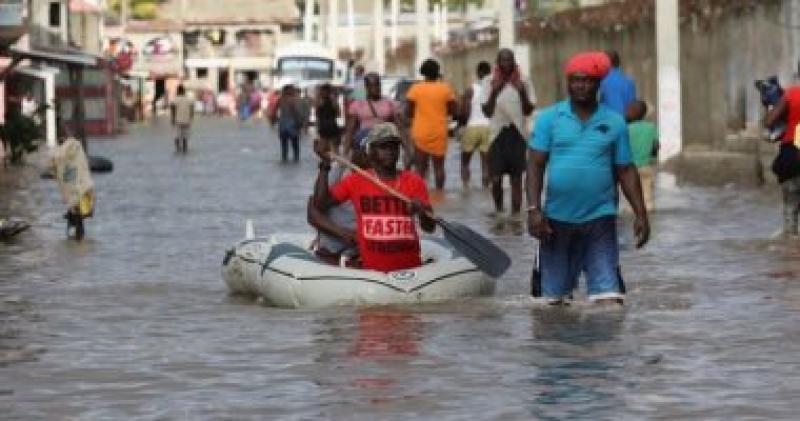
{"x":617,"y":91}
{"x":580,"y":184}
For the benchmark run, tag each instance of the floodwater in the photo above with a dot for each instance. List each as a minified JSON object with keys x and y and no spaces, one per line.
{"x":135,"y":322}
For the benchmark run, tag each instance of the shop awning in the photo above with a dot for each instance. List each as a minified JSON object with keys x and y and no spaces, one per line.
{"x":64,"y":57}
{"x":84,"y":6}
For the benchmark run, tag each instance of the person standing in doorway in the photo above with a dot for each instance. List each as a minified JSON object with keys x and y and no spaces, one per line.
{"x":584,"y":147}
{"x":508,"y":101}
{"x":182,"y":116}
{"x":429,"y":104}
{"x":476,"y":135}
{"x":617,"y":90}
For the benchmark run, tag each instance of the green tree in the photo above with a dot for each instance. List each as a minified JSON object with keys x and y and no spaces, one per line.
{"x":21,"y":134}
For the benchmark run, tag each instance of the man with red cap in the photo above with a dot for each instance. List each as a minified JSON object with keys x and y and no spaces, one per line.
{"x":585,"y":148}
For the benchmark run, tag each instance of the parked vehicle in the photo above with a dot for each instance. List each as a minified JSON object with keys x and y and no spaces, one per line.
{"x":307,"y":64}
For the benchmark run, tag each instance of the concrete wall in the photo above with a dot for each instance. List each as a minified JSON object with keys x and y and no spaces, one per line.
{"x":723,"y":49}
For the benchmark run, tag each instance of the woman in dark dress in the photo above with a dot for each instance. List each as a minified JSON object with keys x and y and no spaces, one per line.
{"x":327,"y":112}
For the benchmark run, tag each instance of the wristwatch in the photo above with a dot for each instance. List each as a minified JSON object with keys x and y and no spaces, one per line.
{"x":534,"y":208}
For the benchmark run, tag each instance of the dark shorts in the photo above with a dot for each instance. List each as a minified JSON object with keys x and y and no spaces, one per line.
{"x":589,"y":248}
{"x":507,"y":155}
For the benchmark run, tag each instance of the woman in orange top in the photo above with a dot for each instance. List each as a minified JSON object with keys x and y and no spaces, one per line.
{"x":429,"y":104}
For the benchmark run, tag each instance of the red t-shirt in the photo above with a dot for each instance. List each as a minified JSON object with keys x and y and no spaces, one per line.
{"x":792,"y":98}
{"x":387,"y":234}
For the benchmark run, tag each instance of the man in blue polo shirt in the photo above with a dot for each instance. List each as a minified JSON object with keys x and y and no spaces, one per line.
{"x":585,"y":148}
{"x":617,"y":90}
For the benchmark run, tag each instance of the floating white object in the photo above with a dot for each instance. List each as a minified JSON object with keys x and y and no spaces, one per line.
{"x":249,"y":230}
{"x":284,"y":273}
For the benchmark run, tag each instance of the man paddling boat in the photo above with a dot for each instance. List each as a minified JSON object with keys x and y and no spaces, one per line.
{"x":386,"y":232}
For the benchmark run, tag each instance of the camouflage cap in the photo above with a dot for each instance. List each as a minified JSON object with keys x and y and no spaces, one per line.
{"x":382,"y":132}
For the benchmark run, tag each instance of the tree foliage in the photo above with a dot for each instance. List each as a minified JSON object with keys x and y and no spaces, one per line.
{"x":21,"y":134}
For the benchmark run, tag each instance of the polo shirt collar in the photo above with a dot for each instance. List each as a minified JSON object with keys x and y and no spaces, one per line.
{"x":565,"y":108}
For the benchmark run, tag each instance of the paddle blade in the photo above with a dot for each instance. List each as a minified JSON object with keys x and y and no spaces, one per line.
{"x":481,"y":251}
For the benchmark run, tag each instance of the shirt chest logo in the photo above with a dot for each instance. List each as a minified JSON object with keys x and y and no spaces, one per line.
{"x":602,"y":128}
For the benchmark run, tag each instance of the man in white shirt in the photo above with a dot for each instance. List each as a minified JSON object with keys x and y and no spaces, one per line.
{"x":508,"y":100}
{"x":182,"y":116}
{"x":476,"y":134}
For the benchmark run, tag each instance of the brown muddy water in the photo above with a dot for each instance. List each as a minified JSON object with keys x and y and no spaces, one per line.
{"x":135,"y":322}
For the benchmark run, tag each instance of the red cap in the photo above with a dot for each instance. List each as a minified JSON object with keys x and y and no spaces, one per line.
{"x":591,"y":63}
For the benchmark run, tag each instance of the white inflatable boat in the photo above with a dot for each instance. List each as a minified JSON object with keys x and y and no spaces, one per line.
{"x":281,"y":270}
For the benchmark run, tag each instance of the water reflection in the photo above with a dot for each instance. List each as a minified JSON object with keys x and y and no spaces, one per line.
{"x":366,"y":358}
{"x":136,"y":324}
{"x":386,"y":333}
{"x":580,"y":361}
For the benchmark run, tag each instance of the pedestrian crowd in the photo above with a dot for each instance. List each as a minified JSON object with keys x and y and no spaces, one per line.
{"x":577,"y":156}
{"x":582,"y":153}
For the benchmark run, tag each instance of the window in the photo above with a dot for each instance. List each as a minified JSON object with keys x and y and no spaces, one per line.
{"x":306,"y":67}
{"x":55,"y":14}
{"x":202,"y":72}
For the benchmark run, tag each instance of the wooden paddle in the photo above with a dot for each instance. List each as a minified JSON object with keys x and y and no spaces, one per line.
{"x":481,"y":251}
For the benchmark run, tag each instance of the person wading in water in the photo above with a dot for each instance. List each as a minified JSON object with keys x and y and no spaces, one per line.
{"x":585,"y":148}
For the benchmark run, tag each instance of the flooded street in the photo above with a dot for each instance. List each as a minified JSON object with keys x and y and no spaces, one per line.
{"x":136,"y":323}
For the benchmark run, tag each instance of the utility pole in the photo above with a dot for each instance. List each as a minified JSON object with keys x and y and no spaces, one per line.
{"x":437,"y":22}
{"x":669,"y":78}
{"x":307,"y":23}
{"x":395,"y":19}
{"x":379,"y":36}
{"x":423,"y":33}
{"x":445,"y":25}
{"x":333,"y":25}
{"x":351,"y":28}
{"x":123,"y":16}
{"x":506,"y":23}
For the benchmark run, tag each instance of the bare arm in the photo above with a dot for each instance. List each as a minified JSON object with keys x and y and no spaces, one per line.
{"x":320,"y":221}
{"x":537,"y":223}
{"x":776,"y":113}
{"x":527,"y":105}
{"x":410,"y":110}
{"x":466,"y":105}
{"x":452,"y":108}
{"x":488,"y":107}
{"x":349,"y":131}
{"x":631,"y":185}
{"x":322,"y":198}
